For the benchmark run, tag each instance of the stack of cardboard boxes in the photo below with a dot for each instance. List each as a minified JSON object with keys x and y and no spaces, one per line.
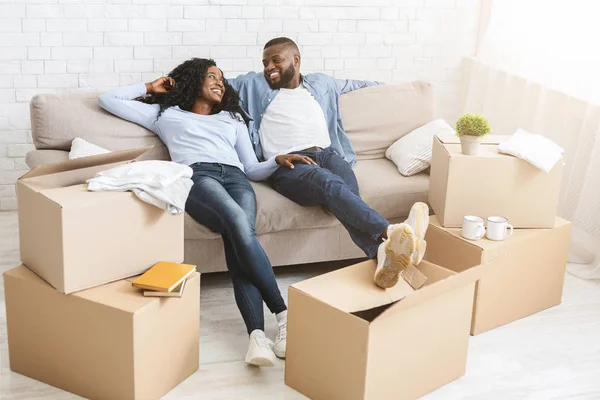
{"x":348,"y":339}
{"x":75,"y":325}
{"x":522,"y":274}
{"x":74,"y":320}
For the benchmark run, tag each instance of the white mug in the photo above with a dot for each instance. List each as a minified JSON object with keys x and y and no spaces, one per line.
{"x":472,"y":228}
{"x":497,"y":228}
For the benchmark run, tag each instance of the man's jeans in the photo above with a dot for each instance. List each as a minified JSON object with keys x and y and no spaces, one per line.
{"x":223,"y":200}
{"x":332,"y":184}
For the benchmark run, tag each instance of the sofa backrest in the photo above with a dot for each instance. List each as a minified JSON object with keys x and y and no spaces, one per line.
{"x":57,"y":119}
{"x":373,"y":117}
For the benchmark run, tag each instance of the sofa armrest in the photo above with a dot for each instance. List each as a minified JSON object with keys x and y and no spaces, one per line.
{"x":36,"y":158}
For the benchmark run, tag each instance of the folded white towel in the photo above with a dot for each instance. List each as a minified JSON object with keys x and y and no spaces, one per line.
{"x":536,"y":149}
{"x":164,"y":184}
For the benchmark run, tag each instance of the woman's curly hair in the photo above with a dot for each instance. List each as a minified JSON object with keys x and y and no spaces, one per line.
{"x":189,"y":79}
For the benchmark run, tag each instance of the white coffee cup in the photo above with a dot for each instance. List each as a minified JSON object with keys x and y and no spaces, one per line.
{"x":497,"y":228}
{"x":473,"y":228}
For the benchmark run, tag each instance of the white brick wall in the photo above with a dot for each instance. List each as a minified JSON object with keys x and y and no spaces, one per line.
{"x":54,"y":46}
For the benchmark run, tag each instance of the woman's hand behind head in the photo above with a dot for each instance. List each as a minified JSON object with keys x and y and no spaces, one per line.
{"x":160,"y":85}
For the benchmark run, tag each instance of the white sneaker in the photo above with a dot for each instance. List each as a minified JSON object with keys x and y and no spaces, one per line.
{"x":259,"y":351}
{"x":394,"y":255}
{"x":418,"y":219}
{"x":281,"y":338}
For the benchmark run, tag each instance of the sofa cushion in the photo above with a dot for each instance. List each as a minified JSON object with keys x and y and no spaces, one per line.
{"x":377,"y":116}
{"x":390,"y":193}
{"x":274,"y":213}
{"x":36,"y":158}
{"x":57,"y":119}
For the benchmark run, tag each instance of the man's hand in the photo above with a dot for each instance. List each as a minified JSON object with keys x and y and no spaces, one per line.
{"x":288,"y":160}
{"x":161,"y":85}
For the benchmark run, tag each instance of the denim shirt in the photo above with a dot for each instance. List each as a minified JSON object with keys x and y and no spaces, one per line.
{"x":256,"y":95}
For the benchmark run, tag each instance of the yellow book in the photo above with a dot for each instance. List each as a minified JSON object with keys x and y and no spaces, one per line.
{"x":164,"y":276}
{"x":177,"y":292}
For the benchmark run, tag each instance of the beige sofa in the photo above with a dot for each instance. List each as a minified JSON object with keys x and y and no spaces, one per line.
{"x":373,"y":117}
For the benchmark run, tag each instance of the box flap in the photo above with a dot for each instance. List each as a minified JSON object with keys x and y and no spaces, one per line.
{"x":119,"y":294}
{"x":492,"y":248}
{"x":351,"y":289}
{"x":414,"y":277}
{"x":428,"y":292}
{"x":487,"y":139}
{"x":85,"y":162}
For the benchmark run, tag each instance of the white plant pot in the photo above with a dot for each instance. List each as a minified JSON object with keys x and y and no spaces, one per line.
{"x":470,"y":144}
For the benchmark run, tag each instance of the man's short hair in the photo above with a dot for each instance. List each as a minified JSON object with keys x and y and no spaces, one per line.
{"x":282,"y":40}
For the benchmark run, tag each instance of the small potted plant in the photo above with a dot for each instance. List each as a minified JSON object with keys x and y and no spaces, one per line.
{"x":471,"y":128}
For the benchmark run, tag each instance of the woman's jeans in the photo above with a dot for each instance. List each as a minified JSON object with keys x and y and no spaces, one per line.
{"x":223,"y":200}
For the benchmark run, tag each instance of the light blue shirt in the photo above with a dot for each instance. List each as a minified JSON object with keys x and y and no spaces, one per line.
{"x":191,"y":137}
{"x":256,"y":95}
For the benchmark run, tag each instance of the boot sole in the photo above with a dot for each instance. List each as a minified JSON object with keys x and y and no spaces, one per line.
{"x":279,"y":354}
{"x":261,"y":362}
{"x":421,"y":247}
{"x":389,"y":274}
{"x":263,"y":358}
{"x":422,"y":223}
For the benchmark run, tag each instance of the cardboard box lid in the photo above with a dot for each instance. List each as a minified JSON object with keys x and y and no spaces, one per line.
{"x":489,"y":147}
{"x":487,"y":139}
{"x":492,"y":248}
{"x":440,"y":281}
{"x":119,"y":294}
{"x":85,"y":162}
{"x":351,"y":289}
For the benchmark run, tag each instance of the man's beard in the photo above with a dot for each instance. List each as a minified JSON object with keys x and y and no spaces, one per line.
{"x":285,"y":77}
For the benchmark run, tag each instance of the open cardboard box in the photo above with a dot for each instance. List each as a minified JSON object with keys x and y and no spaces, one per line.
{"x":520,"y":275}
{"x":348,"y":339}
{"x":109,"y":342}
{"x":76,"y":239}
{"x":490,"y":183}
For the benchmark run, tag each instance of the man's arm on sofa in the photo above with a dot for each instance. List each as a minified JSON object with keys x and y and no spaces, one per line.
{"x":348,"y":85}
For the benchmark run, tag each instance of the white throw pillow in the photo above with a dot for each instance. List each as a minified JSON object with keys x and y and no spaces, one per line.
{"x":82,"y":148}
{"x":412,"y":152}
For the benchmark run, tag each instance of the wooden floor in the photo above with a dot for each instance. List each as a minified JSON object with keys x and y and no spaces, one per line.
{"x":554,"y":354}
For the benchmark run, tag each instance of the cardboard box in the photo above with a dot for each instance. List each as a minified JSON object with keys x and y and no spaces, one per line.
{"x":109,"y":342}
{"x":490,"y":183}
{"x":76,"y":239}
{"x":348,"y":339}
{"x":520,"y":275}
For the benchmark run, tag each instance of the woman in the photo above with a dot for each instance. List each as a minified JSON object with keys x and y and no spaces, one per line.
{"x":197,"y":115}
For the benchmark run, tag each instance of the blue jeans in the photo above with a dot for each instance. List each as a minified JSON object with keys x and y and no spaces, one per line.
{"x":332,"y":184}
{"x":223,"y":200}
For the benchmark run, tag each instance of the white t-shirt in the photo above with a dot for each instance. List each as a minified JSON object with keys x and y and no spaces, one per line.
{"x":293,"y":121}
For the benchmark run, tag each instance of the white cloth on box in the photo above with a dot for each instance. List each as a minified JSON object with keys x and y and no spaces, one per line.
{"x":536,"y":149}
{"x":164,"y":184}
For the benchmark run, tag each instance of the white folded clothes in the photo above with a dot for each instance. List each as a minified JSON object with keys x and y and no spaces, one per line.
{"x":164,"y":184}
{"x":153,"y":173}
{"x":536,"y":149}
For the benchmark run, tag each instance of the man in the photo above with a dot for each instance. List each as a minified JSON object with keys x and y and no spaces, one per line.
{"x":299,"y":114}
